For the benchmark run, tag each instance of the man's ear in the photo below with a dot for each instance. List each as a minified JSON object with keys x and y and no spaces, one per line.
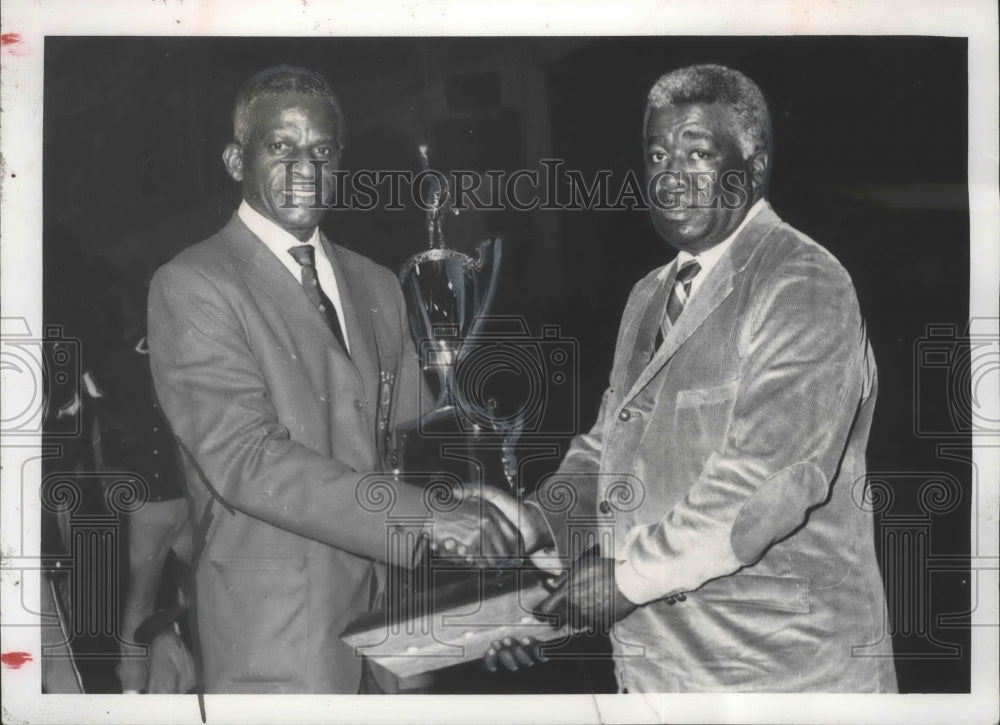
{"x":758,"y":162}
{"x":232,"y":157}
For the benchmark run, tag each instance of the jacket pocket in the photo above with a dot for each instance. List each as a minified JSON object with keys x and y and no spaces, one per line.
{"x":700,"y":419}
{"x":697,"y":398}
{"x":259,"y":619}
{"x":780,"y":593}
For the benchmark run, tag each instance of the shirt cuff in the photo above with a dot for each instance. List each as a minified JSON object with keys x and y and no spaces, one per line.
{"x":540,"y":535}
{"x":546,"y":558}
{"x":548,"y":561}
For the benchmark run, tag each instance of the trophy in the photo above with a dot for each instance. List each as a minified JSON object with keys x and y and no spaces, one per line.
{"x":463,"y":432}
{"x":441,"y":613}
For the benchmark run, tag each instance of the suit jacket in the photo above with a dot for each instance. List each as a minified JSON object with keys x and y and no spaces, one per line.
{"x":729,"y":467}
{"x":282,"y":427}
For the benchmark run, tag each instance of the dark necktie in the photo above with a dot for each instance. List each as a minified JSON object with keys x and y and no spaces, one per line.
{"x":675,"y":305}
{"x":305,"y":255}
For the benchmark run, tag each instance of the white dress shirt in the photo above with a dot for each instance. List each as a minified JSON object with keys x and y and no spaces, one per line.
{"x":279,"y":241}
{"x":710,"y":257}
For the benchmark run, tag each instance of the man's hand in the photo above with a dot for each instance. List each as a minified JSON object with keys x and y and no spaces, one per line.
{"x":476,"y":532}
{"x":512,"y":654}
{"x":528,"y":519}
{"x":585,"y":595}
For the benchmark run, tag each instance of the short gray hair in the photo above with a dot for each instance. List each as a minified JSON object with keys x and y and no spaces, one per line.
{"x":283,"y":79}
{"x":718,"y":84}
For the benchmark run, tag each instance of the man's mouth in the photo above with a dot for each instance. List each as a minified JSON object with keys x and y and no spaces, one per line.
{"x":299,"y":197}
{"x":676,"y":213}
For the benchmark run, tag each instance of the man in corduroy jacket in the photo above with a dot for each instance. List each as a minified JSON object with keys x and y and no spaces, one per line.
{"x":723,"y":480}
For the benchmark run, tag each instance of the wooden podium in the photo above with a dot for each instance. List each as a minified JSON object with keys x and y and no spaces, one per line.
{"x":452,"y":624}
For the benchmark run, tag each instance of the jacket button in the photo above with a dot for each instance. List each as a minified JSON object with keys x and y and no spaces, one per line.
{"x":358,"y":405}
{"x":671,"y":600}
{"x":604,"y":507}
{"x":681,"y":597}
{"x":624,"y":415}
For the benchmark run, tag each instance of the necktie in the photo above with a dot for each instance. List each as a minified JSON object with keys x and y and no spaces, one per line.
{"x":679,"y":295}
{"x":305,"y":255}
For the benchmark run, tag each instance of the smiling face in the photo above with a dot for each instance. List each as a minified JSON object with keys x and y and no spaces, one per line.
{"x":287,"y":127}
{"x":703,"y":186}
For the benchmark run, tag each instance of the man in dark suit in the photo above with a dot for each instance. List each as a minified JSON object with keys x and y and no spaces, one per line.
{"x":283,"y":362}
{"x":724,"y":477}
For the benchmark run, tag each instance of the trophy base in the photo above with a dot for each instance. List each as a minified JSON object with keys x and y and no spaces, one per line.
{"x":442,"y":446}
{"x":454,"y":623}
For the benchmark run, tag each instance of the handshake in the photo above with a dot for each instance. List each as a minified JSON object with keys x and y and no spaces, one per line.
{"x":486,"y":527}
{"x":489,"y":526}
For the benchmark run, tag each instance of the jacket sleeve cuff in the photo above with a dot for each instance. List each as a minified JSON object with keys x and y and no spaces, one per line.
{"x":655,"y":563}
{"x":636,"y":587}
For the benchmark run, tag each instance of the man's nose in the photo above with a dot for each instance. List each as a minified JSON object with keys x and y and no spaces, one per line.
{"x":671,"y":179}
{"x":677,"y":164}
{"x":305,"y":166}
{"x":302,"y":169}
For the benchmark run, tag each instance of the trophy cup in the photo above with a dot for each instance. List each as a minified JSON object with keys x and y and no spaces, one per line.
{"x":463,"y":431}
{"x":441,"y":615}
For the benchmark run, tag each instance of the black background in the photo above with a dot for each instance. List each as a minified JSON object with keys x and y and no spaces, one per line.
{"x":871,"y":153}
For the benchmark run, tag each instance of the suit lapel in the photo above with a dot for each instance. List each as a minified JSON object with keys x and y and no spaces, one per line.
{"x":640,"y":324}
{"x":716,"y":288}
{"x":634,"y":318}
{"x":355,"y":299}
{"x":266,"y":274}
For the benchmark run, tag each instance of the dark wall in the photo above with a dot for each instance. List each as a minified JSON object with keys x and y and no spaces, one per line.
{"x":871,"y":148}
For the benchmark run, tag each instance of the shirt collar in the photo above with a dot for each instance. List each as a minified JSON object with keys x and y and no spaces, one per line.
{"x":710,"y":257}
{"x":277,"y":239}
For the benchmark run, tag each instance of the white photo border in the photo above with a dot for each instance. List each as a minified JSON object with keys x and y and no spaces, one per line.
{"x":26,"y":23}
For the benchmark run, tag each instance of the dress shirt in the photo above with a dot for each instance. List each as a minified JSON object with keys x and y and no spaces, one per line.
{"x":279,"y":241}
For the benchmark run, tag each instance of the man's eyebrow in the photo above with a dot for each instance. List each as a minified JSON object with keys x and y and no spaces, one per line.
{"x":698,"y":133}
{"x":688,"y":133}
{"x":283,"y":133}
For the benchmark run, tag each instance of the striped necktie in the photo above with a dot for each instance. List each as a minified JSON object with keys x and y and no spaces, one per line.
{"x":678,"y":296}
{"x":305,"y":255}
